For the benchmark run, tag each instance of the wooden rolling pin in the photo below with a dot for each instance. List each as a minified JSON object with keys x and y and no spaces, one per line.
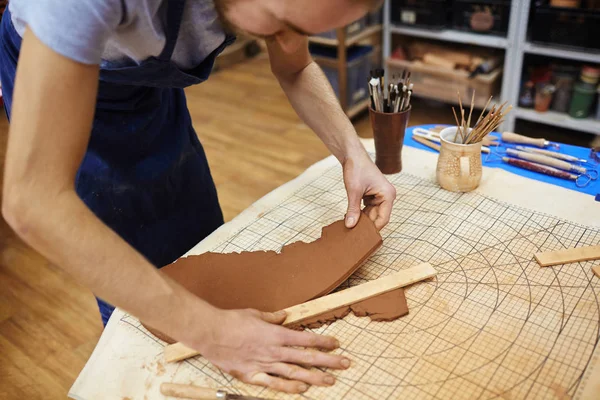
{"x":322,"y":305}
{"x":510,"y":137}
{"x":542,"y":159}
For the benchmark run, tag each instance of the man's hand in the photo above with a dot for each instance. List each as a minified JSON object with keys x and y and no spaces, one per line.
{"x":365,"y":182}
{"x":251,"y":346}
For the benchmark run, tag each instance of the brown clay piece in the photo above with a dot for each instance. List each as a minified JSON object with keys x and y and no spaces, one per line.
{"x":270,"y":281}
{"x":386,"y":307}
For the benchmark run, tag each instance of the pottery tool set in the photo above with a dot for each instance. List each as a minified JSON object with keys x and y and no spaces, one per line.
{"x":536,"y":156}
{"x":393,"y":98}
{"x":491,"y":324}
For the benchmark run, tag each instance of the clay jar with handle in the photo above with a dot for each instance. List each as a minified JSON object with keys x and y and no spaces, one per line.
{"x":388,"y":132}
{"x":459,"y":165}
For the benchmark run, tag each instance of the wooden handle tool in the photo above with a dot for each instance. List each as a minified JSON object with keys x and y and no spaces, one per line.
{"x":540,"y":168}
{"x":510,"y":137}
{"x":417,"y":134}
{"x":427,"y":143}
{"x":550,"y":153}
{"x":199,"y":393}
{"x":542,"y":159}
{"x":322,"y":305}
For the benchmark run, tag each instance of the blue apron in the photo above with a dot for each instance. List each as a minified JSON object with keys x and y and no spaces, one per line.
{"x":144,"y":174}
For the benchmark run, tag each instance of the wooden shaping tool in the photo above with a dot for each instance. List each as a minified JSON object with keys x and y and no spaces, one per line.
{"x":549,"y":258}
{"x":546,"y":160}
{"x":322,"y":305}
{"x":427,"y":143}
{"x":596,"y":270}
{"x":199,"y":393}
{"x":510,"y":137}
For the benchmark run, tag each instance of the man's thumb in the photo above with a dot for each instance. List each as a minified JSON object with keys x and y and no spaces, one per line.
{"x":353,"y":213}
{"x":274,"y":318}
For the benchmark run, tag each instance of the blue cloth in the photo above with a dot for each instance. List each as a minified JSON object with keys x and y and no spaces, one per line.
{"x":581,"y":152}
{"x":144,"y":174}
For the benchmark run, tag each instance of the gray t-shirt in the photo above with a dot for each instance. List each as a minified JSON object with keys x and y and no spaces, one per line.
{"x":117,"y":33}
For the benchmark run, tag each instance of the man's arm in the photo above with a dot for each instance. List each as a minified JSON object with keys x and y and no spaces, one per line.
{"x":315,"y":102}
{"x":52,"y":113}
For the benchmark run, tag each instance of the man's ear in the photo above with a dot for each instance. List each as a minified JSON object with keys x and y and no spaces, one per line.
{"x":289,"y":41}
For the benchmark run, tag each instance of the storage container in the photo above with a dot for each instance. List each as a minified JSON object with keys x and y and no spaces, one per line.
{"x":582,"y":101}
{"x":358,"y":66}
{"x":422,"y":13}
{"x":488,"y":16}
{"x":352,"y":29}
{"x":443,"y":84}
{"x":574,"y":27}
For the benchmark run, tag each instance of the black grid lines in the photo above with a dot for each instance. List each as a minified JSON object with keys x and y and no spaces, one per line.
{"x":492,"y":325}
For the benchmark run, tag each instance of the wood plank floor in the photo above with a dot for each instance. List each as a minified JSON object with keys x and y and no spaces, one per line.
{"x":49,"y":324}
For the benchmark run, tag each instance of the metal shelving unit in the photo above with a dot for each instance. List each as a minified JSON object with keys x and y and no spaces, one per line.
{"x":450,"y":35}
{"x":516,"y":46}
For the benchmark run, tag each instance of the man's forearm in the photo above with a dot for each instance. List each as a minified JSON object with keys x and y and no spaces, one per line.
{"x":312,"y":97}
{"x":65,"y":231}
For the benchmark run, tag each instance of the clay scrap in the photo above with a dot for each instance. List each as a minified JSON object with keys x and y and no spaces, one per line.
{"x":386,"y":307}
{"x":270,"y":281}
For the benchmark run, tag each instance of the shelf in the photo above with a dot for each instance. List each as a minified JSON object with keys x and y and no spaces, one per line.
{"x":367,"y":32}
{"x":589,"y":125}
{"x":550,"y":51}
{"x":449,"y":35}
{"x":453,"y":100}
{"x":355,"y":110}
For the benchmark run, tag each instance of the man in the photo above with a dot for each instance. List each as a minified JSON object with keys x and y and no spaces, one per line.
{"x":105,"y":175}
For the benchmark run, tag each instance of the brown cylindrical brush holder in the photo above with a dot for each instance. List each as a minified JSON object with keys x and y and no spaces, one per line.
{"x":388,"y":131}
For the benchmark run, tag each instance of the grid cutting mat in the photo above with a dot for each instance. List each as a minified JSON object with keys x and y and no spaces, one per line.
{"x":493,"y":324}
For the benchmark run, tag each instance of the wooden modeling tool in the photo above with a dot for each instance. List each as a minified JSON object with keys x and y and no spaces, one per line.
{"x":424,"y":134}
{"x":581,"y":180}
{"x":549,"y":258}
{"x":199,"y":393}
{"x":487,"y":122}
{"x":486,"y":141}
{"x":427,"y":143}
{"x":553,"y":154}
{"x":546,"y":160}
{"x":596,"y":270}
{"x":322,"y":305}
{"x":511,"y":137}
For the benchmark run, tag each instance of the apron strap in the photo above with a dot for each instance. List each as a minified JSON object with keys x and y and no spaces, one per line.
{"x":174,"y":16}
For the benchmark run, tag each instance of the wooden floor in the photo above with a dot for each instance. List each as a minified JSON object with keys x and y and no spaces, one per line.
{"x":49,"y":324}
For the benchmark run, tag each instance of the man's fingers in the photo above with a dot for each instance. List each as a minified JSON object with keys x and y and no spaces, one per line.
{"x":371,"y":212}
{"x":383,"y":214}
{"x":297,"y":373}
{"x":282,"y":385}
{"x":314,"y":358}
{"x":310,"y":340}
